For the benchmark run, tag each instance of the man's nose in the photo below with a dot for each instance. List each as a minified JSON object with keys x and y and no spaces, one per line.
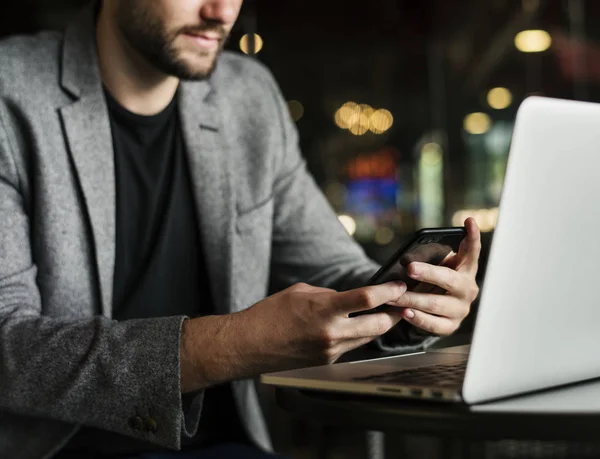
{"x":222,"y":11}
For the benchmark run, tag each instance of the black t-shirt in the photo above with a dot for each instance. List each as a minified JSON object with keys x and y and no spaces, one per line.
{"x":159,"y":265}
{"x":158,"y":269}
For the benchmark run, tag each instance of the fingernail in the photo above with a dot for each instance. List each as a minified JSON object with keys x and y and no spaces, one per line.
{"x":402,"y":285}
{"x":409,"y":313}
{"x":416,"y":270}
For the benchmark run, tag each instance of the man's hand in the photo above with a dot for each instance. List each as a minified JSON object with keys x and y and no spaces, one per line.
{"x":442,"y":313}
{"x":300,"y":326}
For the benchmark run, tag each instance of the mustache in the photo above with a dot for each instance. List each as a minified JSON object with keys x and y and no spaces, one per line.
{"x":199,"y":29}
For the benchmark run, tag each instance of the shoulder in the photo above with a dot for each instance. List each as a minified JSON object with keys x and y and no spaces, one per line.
{"x":28,"y":61}
{"x":235,"y":66}
{"x":240,"y":76}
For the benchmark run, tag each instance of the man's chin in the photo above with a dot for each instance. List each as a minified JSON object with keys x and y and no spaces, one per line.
{"x":188,"y":72}
{"x":197,"y":74}
{"x":198,"y":68}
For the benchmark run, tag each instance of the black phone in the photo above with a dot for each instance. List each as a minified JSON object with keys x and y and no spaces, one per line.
{"x":429,"y":245}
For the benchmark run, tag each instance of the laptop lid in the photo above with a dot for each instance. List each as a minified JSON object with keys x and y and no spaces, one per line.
{"x":538,"y":324}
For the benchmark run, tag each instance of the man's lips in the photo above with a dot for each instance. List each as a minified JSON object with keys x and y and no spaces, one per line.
{"x":205,"y":40}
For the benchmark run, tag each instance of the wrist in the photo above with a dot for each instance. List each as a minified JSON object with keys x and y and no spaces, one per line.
{"x":212,"y":352}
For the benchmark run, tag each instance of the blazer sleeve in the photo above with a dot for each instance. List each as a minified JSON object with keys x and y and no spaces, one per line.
{"x":122,"y":377}
{"x":309,"y":243}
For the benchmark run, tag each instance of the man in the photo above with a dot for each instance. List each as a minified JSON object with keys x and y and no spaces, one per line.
{"x":151,"y":191}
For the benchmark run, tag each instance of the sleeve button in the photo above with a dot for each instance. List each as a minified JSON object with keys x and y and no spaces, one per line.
{"x":136,"y":423}
{"x":150,"y":425}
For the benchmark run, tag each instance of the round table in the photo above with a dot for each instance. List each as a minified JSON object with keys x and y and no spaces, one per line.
{"x":568,"y":414}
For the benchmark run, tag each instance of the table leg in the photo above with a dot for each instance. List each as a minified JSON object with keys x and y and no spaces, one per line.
{"x":375,"y":445}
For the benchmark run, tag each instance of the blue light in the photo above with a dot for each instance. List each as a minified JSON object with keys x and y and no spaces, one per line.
{"x":371,"y":197}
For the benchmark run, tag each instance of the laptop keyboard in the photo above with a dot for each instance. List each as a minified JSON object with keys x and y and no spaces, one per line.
{"x":433,"y":375}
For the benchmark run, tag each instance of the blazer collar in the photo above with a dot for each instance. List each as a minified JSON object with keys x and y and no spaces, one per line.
{"x":79,"y":64}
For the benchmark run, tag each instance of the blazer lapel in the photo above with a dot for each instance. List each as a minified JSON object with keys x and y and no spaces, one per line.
{"x":211,"y":181}
{"x":87,"y":129}
{"x":88,"y":133}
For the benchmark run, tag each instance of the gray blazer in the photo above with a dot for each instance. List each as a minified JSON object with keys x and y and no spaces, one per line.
{"x":63,"y":361}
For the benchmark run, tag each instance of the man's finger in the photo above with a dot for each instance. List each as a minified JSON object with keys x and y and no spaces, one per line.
{"x":350,"y":345}
{"x":441,"y":276}
{"x":437,"y":305}
{"x":470,"y":248}
{"x":367,"y":298}
{"x":306,"y":288}
{"x":440,"y":326}
{"x":370,"y":325}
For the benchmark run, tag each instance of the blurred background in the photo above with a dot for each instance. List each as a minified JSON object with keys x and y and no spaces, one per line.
{"x":405,"y":108}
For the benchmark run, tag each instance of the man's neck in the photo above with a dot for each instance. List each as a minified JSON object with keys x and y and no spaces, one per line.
{"x":129,"y":78}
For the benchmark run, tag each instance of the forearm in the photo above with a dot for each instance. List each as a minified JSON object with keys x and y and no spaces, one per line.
{"x":279,"y":333}
{"x":219,"y":349}
{"x":208,"y":354}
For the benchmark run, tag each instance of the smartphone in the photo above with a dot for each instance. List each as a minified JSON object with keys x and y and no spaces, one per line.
{"x":430,"y":245}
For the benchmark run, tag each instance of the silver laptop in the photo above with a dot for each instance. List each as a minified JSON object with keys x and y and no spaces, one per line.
{"x":538,"y":324}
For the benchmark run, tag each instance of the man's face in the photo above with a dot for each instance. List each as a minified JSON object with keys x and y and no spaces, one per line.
{"x":181,"y":38}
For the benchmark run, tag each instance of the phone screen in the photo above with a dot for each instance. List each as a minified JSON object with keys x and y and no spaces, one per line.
{"x":430,"y":246}
{"x":433,"y":253}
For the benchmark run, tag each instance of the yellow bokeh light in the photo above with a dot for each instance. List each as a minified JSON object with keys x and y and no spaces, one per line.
{"x":499,"y":98}
{"x":354,"y":118}
{"x":296,"y":109}
{"x":366,"y":110}
{"x":361,"y":125}
{"x":380,"y":121}
{"x":486,"y":219}
{"x":477,"y":123}
{"x":341,"y":118}
{"x":359,"y":119}
{"x":258,"y":43}
{"x":347,"y":115}
{"x":533,"y":41}
{"x":384,"y":235}
{"x":459,"y":217}
{"x":348,"y":223}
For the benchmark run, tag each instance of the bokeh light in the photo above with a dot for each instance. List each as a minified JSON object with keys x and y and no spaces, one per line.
{"x":381,"y":121}
{"x":486,"y":219}
{"x":258,"y":43}
{"x":432,"y":154}
{"x":384,"y":235}
{"x":361,"y":125}
{"x":366,"y":110}
{"x":533,"y":41}
{"x":499,"y":98}
{"x":345,"y":116}
{"x":349,"y":223}
{"x":477,"y":123}
{"x":362,"y":118}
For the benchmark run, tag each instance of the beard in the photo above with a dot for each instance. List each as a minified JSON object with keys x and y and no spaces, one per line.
{"x":147,"y":34}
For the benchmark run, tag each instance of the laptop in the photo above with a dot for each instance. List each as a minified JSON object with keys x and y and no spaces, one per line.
{"x":538,"y":324}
